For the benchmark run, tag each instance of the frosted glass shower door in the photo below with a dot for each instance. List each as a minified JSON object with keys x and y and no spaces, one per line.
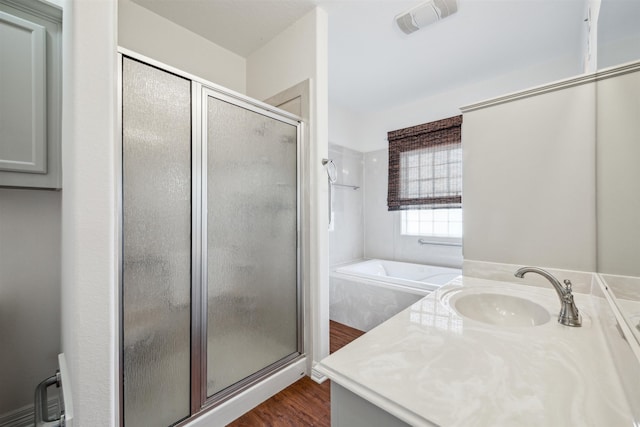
{"x":251,"y":244}
{"x":156,"y":260}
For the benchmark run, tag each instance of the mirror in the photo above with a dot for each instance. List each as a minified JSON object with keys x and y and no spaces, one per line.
{"x":617,"y":156}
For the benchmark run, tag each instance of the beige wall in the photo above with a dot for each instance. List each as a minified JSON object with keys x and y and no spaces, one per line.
{"x":149,"y":34}
{"x":529,"y":180}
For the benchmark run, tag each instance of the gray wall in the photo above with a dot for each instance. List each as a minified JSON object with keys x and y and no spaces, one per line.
{"x":29,"y":292}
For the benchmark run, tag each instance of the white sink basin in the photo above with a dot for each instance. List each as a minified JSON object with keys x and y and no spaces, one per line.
{"x":500,"y":309}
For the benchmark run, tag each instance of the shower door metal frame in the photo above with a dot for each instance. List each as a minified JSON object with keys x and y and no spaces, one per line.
{"x":200,"y":113}
{"x":201,"y":88}
{"x":119,"y":205}
{"x":198,"y":291}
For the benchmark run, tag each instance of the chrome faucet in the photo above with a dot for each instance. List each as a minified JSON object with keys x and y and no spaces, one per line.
{"x":569,"y":314}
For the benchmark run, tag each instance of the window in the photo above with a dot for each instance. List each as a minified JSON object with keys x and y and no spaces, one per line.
{"x":425,"y":178}
{"x":432,"y":222}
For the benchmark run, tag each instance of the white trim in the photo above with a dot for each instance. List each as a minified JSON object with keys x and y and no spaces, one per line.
{"x":67,"y":396}
{"x":41,"y":9}
{"x":629,"y":336}
{"x":318,"y":376}
{"x":557,"y":85}
{"x":250,"y":398}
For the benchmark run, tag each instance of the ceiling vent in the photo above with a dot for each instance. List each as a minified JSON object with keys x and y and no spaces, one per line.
{"x":425,"y":14}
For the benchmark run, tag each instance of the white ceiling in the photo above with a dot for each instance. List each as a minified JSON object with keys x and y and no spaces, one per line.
{"x":370,"y":59}
{"x":372,"y":65}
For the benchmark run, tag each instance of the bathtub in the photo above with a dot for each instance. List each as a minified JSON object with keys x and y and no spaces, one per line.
{"x":366,"y":293}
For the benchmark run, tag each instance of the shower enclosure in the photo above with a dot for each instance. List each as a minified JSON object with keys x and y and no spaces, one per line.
{"x":210,"y":266}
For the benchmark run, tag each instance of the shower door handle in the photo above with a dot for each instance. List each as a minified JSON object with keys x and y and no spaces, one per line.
{"x":41,"y":403}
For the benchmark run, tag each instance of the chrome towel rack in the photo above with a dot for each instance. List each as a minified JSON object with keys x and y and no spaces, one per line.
{"x":40,"y":405}
{"x":432,"y":242}
{"x":354,"y":187}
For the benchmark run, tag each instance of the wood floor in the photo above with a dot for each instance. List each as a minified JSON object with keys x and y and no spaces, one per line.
{"x":304,"y":403}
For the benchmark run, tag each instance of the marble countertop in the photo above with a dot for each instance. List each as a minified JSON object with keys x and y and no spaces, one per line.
{"x":430,"y":366}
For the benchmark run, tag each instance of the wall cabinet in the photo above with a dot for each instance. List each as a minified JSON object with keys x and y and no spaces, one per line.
{"x":30,"y":94}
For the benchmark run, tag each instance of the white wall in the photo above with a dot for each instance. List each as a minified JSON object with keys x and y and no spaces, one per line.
{"x":529,"y":180}
{"x":296,"y":54}
{"x":299,"y":53}
{"x":618,"y":36}
{"x":152,"y":35}
{"x":345,"y":127}
{"x":618,"y":52}
{"x":29,"y":292}
{"x":375,"y":126}
{"x":89,"y":212}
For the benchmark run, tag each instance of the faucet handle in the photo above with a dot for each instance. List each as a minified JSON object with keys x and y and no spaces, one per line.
{"x":567,"y":285}
{"x":567,"y":298}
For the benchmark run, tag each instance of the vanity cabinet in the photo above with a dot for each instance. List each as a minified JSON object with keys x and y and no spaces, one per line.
{"x":441,"y":362}
{"x":30,"y":94}
{"x":350,"y":410}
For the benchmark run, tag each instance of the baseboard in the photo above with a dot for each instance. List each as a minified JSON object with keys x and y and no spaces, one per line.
{"x":24,"y":417}
{"x":318,"y":376}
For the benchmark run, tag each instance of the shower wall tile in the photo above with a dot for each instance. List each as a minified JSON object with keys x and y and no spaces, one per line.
{"x":379,"y":222}
{"x":346,"y":235}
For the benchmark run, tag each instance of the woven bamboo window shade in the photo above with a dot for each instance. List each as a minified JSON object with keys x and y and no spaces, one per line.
{"x":425,"y":166}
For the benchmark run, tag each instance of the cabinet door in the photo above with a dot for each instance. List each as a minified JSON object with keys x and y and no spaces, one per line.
{"x":30,"y":95}
{"x":23,"y":130}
